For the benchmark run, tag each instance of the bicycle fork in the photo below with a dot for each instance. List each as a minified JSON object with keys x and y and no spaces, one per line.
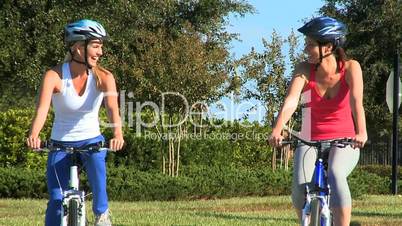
{"x":73,"y":206}
{"x":325,"y":213}
{"x":306,"y":212}
{"x":321,"y":194}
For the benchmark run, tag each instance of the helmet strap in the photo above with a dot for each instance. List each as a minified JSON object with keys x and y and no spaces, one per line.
{"x":86,"y":56}
{"x":85,"y":62}
{"x":320,"y":45}
{"x":319,"y":49}
{"x":73,"y":59}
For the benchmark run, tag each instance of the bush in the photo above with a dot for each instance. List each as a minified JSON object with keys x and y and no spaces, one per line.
{"x":14,"y":127}
{"x":132,"y":185}
{"x":22,"y":183}
{"x":380,"y":170}
{"x":228,"y":182}
{"x":141,"y":152}
{"x":129,"y":184}
{"x":363,"y":182}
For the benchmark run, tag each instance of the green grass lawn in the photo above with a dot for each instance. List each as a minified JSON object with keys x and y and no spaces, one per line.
{"x":367,"y":210}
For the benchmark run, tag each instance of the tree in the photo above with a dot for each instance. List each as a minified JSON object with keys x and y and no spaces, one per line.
{"x":265,"y":78}
{"x":32,"y":36}
{"x":155,"y":47}
{"x":183,"y":54}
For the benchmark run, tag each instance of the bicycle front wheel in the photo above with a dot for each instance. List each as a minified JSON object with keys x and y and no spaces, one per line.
{"x":73,"y":217}
{"x":315,"y":218}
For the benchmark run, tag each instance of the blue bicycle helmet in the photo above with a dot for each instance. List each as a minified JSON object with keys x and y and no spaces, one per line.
{"x":325,"y":29}
{"x":84,"y":30}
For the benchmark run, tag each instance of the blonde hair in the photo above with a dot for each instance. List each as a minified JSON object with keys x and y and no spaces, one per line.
{"x":95,"y":70}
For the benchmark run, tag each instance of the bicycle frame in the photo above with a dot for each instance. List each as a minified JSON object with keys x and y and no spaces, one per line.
{"x":317,"y":199}
{"x":73,"y":202}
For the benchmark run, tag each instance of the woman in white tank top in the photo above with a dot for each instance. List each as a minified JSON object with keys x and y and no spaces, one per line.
{"x":76,"y":90}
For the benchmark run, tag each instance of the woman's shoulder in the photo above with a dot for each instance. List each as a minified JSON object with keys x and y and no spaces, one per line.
{"x":351,"y":65}
{"x":52,"y":79}
{"x":353,"y":71}
{"x":106,"y":78}
{"x":104,"y":74}
{"x":55,"y":72}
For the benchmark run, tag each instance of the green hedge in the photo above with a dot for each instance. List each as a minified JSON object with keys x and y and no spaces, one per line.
{"x":229,"y":182}
{"x":22,"y":183}
{"x":198,"y":182}
{"x":364,"y":182}
{"x":14,"y":128}
{"x":380,"y":170}
{"x":210,"y":167}
{"x":141,"y":152}
{"x":132,"y":185}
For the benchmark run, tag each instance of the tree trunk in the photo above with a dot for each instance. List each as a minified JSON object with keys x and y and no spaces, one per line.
{"x":178,"y":151}
{"x":172,"y":157}
{"x":201,"y":122}
{"x":170,"y":149}
{"x":163,"y":144}
{"x":273,"y":159}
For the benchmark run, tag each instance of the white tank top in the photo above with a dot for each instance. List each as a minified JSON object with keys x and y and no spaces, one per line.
{"x":76,"y":117}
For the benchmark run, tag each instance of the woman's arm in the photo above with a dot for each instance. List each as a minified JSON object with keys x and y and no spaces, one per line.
{"x":49,"y":85}
{"x":290,"y":104}
{"x":112,"y":109}
{"x":354,"y":79}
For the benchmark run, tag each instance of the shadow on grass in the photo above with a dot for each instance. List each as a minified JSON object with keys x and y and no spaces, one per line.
{"x":238,"y":217}
{"x":355,"y":223}
{"x":376,"y":214}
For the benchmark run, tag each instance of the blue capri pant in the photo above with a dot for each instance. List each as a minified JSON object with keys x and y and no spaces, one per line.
{"x":58,"y":175}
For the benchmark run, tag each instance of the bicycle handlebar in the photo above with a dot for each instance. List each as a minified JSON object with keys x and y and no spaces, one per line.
{"x":340,"y":142}
{"x":49,"y":146}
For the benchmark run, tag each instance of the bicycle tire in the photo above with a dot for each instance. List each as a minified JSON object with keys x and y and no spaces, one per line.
{"x":73,"y":216}
{"x":315,"y":217}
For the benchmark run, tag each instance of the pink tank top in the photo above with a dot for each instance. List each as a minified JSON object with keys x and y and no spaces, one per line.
{"x":330,"y":118}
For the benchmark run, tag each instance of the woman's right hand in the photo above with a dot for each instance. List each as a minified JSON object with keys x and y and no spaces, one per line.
{"x":275,"y":138}
{"x":33,"y":142}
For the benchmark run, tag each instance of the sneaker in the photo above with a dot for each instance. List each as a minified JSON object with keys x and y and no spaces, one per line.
{"x":103,"y":219}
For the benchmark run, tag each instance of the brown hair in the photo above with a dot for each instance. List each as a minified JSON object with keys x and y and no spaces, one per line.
{"x":96,"y":71}
{"x":340,"y":54}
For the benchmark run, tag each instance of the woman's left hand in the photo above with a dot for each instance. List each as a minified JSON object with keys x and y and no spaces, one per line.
{"x":360,"y":140}
{"x":116,"y":143}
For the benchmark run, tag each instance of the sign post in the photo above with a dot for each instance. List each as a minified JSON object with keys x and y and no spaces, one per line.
{"x":393,"y":99}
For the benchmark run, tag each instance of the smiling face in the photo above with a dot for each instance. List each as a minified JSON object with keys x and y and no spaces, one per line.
{"x":312,"y":49}
{"x":94,"y":51}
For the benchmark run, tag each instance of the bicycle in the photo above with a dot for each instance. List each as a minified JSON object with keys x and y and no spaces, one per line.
{"x":316,"y":209}
{"x":73,"y":211}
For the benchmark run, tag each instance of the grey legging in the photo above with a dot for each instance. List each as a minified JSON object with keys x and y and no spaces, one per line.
{"x":341,"y":162}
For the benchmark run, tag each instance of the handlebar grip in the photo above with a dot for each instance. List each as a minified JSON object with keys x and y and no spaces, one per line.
{"x":284,"y":142}
{"x":44,"y":144}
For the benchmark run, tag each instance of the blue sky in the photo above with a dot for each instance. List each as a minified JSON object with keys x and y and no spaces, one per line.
{"x":281,"y":16}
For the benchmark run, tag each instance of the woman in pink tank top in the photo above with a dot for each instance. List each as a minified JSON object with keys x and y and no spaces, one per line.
{"x":331,"y":88}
